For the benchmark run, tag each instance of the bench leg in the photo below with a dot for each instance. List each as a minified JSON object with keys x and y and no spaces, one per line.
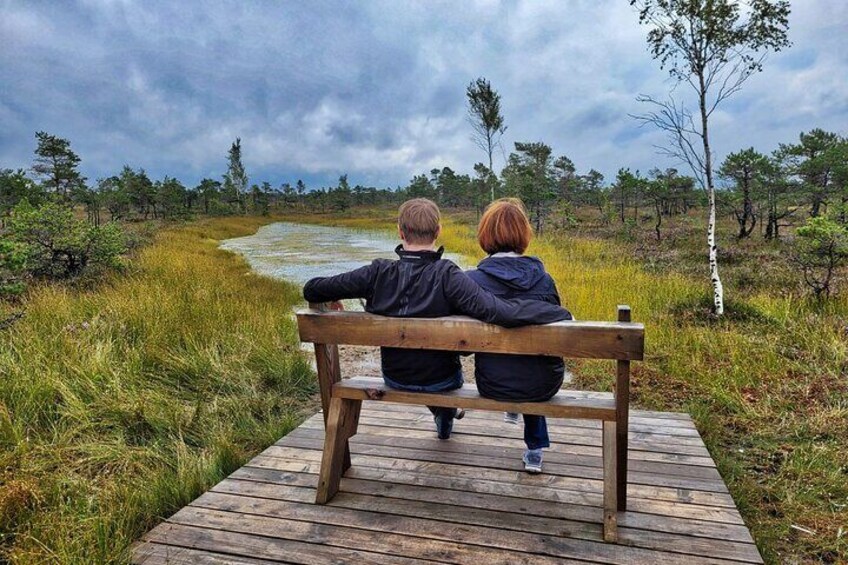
{"x":610,"y":483}
{"x":342,"y":422}
{"x":621,"y":471}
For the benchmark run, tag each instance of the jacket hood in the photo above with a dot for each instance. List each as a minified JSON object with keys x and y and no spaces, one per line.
{"x":521,"y":273}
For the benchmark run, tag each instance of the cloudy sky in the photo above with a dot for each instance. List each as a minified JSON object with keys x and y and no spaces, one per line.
{"x":372,"y":88}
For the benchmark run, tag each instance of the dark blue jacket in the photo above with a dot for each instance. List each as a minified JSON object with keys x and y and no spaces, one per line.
{"x":423,"y":285}
{"x":530,"y":378}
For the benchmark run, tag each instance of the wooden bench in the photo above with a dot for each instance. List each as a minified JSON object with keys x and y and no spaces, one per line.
{"x":622,"y":341}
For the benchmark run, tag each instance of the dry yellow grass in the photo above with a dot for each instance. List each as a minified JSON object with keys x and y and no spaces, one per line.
{"x":766,"y":384}
{"x":120,"y":404}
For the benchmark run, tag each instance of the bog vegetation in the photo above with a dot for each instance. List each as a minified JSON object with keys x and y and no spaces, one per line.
{"x":765,"y":383}
{"x":123,"y":401}
{"x":136,"y":374}
{"x":139,"y":364}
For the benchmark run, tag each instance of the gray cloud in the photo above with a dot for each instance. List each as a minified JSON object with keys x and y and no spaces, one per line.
{"x":375,"y":89}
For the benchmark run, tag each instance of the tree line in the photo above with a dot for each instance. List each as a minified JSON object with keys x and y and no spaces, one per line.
{"x":131,"y":194}
{"x":807,"y":178}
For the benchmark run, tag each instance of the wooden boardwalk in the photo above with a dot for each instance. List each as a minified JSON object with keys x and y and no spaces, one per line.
{"x":410,"y":498}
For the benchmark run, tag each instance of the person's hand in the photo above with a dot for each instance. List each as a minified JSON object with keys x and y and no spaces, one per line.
{"x":337,"y":306}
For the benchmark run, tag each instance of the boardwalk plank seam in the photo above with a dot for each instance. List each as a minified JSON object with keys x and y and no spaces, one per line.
{"x":412,"y":499}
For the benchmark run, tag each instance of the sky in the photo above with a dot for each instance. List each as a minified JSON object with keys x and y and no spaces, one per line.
{"x":374,"y":89}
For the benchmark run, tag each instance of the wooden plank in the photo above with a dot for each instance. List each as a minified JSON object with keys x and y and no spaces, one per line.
{"x":329,"y":372}
{"x":647,"y":425}
{"x":638,"y":442}
{"x":562,"y":512}
{"x":622,"y":409}
{"x":555,"y":425}
{"x":494,"y":461}
{"x":583,"y":491}
{"x":562,"y":405}
{"x":414,"y":499}
{"x":610,"y":483}
{"x":419,"y":420}
{"x":504,"y":453}
{"x":560,"y":445}
{"x":689,"y":445}
{"x":158,"y":554}
{"x":516,"y":516}
{"x":262,"y":515}
{"x":341,"y":425}
{"x":278,"y":549}
{"x":591,"y":340}
{"x":575,"y":393}
{"x":591,"y":499}
{"x":391,"y":544}
{"x":664,"y":418}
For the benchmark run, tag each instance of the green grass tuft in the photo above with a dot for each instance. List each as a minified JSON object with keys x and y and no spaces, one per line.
{"x":122,"y":402}
{"x":766,"y":383}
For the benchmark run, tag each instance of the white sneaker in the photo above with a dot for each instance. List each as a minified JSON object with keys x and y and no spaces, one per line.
{"x":533,"y":461}
{"x":511,"y":418}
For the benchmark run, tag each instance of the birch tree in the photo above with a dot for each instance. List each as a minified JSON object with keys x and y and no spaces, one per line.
{"x":714,"y":47}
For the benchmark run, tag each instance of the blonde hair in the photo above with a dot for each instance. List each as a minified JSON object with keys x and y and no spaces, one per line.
{"x":504,"y":227}
{"x":418,"y":220}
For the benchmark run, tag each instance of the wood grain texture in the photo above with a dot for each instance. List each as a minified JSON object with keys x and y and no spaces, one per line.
{"x":622,"y":409}
{"x":563,"y":405}
{"x":610,"y":482}
{"x":341,"y":425}
{"x":412,"y":498}
{"x":590,"y":340}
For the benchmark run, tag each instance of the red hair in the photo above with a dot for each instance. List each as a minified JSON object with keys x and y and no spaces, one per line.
{"x":504,"y":227}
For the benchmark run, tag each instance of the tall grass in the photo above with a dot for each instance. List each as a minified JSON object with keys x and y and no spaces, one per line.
{"x":766,"y":384}
{"x":119,"y":404}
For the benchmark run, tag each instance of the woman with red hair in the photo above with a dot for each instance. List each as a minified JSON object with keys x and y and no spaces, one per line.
{"x":504,"y":234}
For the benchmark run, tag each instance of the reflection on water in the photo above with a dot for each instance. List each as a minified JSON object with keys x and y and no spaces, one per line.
{"x":299,"y":252}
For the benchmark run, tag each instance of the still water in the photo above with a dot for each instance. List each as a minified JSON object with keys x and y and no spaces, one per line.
{"x":299,"y":252}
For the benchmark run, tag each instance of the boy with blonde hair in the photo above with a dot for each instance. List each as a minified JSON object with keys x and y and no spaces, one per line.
{"x":420,"y":284}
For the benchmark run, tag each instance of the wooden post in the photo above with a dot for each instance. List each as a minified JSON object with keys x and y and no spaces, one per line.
{"x":610,"y":440}
{"x":329,"y":373}
{"x":341,"y":425}
{"x":622,"y":413}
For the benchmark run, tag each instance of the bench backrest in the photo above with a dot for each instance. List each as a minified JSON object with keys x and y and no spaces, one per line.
{"x":622,"y":341}
{"x":587,"y":340}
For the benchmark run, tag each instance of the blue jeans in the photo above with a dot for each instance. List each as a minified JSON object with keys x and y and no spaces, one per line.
{"x":536,"y":432}
{"x":451,"y":383}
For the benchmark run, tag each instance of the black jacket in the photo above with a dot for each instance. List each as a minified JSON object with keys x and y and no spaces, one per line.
{"x":423,"y":285}
{"x":530,"y":378}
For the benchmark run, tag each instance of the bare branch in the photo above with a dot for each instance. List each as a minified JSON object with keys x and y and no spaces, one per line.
{"x":683,"y":135}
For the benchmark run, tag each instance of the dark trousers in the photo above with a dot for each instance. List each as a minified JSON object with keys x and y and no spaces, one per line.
{"x":452,"y":383}
{"x":536,"y":432}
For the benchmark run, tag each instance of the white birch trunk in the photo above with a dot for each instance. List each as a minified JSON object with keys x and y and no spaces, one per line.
{"x":718,"y":289}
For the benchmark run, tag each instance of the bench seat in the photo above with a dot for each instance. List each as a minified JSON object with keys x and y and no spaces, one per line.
{"x":566,"y":404}
{"x":341,"y":399}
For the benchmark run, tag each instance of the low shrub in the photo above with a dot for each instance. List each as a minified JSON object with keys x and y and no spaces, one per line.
{"x":12,"y":268}
{"x":821,"y":248}
{"x":58,"y":245}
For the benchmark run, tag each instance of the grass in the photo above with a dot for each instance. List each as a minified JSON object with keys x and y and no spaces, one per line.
{"x":766,"y":384}
{"x":122,"y":402}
